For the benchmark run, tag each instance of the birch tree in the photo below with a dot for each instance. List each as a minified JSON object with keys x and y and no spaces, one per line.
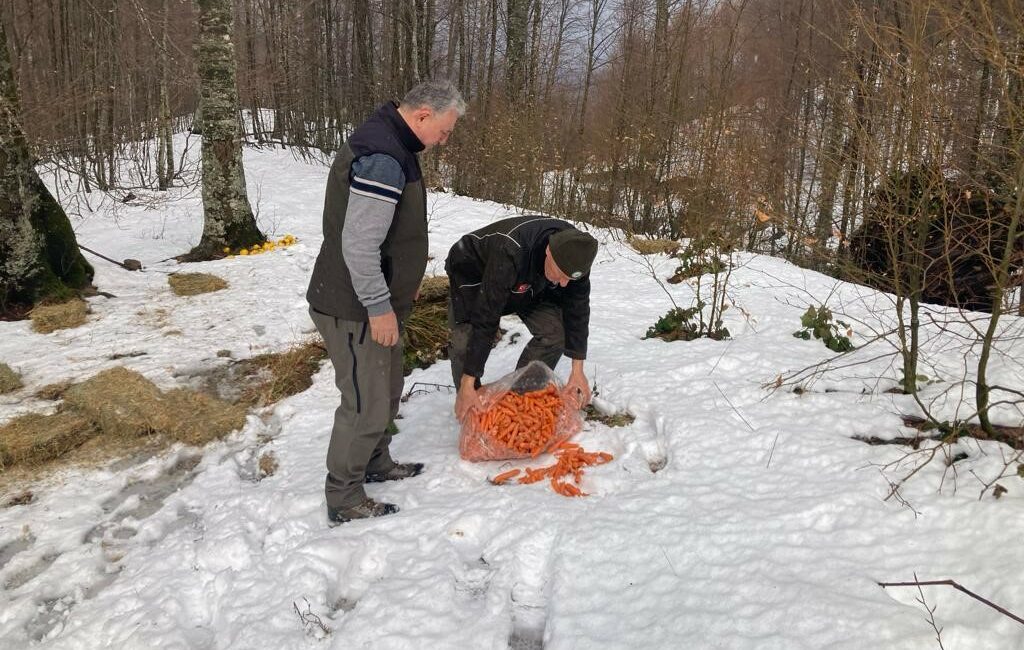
{"x":228,"y":220}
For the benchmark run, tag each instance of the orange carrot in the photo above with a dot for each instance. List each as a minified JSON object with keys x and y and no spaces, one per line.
{"x":504,"y":476}
{"x":565,"y":474}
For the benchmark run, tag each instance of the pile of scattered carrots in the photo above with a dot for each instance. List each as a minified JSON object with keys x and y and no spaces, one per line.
{"x":570,"y":461}
{"x":516,"y":426}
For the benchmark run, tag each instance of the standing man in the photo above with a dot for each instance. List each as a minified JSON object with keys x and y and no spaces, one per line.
{"x":535,"y":267}
{"x":366,"y":277}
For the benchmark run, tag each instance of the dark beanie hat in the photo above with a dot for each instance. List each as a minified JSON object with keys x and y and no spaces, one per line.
{"x":573,"y":251}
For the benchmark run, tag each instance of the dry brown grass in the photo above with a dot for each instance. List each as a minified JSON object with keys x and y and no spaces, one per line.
{"x":50,"y":318}
{"x":434,"y":289}
{"x":620,"y":419}
{"x":10,"y":381}
{"x":426,"y":330}
{"x":53,"y":391}
{"x":653,"y":246}
{"x":124,"y":403}
{"x":115,"y":413}
{"x":196,"y":419}
{"x":272,"y":377}
{"x":34,"y":438}
{"x":268,"y":464}
{"x":192,"y":284}
{"x":426,"y":335}
{"x":98,"y":451}
{"x":120,"y":401}
{"x":158,"y":318}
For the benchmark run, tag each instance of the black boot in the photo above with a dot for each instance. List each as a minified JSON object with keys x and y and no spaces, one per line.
{"x":396,"y":473}
{"x":364,"y":510}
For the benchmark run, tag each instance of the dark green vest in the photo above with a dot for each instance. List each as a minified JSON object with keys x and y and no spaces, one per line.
{"x":403,"y":252}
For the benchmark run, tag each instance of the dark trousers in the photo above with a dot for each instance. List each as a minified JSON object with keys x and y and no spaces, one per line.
{"x":369,"y":377}
{"x":544,"y":320}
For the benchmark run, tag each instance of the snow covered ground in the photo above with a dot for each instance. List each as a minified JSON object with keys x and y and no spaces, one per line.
{"x":732,"y":516}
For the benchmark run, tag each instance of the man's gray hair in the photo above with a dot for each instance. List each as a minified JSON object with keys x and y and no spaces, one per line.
{"x":439,"y":95}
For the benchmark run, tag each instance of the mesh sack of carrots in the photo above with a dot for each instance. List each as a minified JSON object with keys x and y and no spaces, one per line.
{"x":522,"y":415}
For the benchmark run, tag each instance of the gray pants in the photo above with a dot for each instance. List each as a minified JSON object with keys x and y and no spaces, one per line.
{"x":544,"y":320}
{"x":369,"y":377}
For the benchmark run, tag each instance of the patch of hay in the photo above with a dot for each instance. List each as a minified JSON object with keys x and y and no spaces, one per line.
{"x":426,"y":330}
{"x":53,"y":392}
{"x":268,"y":464}
{"x":426,"y":335}
{"x":32,"y":439}
{"x":653,"y":246}
{"x":192,"y":284}
{"x":434,"y":289}
{"x":50,"y":318}
{"x":10,"y":381}
{"x":120,"y":401}
{"x":196,"y":419}
{"x":272,"y":377}
{"x":123,"y":403}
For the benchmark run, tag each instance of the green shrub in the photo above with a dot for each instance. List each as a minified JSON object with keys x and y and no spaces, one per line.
{"x":679,"y":324}
{"x":817,"y":322}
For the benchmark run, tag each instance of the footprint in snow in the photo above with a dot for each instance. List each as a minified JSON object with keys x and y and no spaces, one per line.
{"x":140,"y":500}
{"x":532,"y":572}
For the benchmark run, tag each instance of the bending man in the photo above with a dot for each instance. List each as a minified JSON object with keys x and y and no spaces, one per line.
{"x":535,"y":267}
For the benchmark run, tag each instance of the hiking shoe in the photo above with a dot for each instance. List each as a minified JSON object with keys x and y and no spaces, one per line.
{"x":364,"y":510}
{"x":396,"y":473}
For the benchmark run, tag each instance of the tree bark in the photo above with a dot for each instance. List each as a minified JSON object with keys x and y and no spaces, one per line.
{"x":165,"y":142}
{"x":228,"y":220}
{"x":596,"y":10}
{"x":515,"y":49}
{"x":39,"y":256}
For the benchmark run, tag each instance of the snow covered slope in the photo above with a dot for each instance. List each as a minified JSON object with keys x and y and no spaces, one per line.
{"x":731,"y":517}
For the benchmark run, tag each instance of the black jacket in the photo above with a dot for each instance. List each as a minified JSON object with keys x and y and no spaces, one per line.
{"x":498,"y":270}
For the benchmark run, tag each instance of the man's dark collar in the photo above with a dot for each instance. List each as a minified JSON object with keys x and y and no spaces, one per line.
{"x":389,"y":112}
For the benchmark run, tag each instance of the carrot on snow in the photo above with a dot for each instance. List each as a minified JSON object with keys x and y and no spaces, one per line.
{"x":570,"y":461}
{"x":504,"y":476}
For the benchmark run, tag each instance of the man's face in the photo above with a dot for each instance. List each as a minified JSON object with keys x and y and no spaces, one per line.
{"x":433,"y":128}
{"x":552,"y":272}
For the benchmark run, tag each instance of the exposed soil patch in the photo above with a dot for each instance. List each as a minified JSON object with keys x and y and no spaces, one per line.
{"x":1012,"y":436}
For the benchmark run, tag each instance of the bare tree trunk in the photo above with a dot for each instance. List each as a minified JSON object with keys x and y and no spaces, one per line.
{"x":593,"y":25}
{"x":1011,"y":122}
{"x":489,"y":88}
{"x":39,"y":256}
{"x":410,"y":54}
{"x":828,"y":161}
{"x":165,"y":131}
{"x":974,"y":139}
{"x":556,"y":53}
{"x":534,"y":56}
{"x":228,"y":220}
{"x":852,"y":150}
{"x":515,"y":48}
{"x":424,"y":28}
{"x":453,"y":36}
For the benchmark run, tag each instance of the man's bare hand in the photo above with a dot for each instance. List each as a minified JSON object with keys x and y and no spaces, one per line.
{"x":578,"y":388}
{"x":384,"y":329}
{"x":467,"y":400}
